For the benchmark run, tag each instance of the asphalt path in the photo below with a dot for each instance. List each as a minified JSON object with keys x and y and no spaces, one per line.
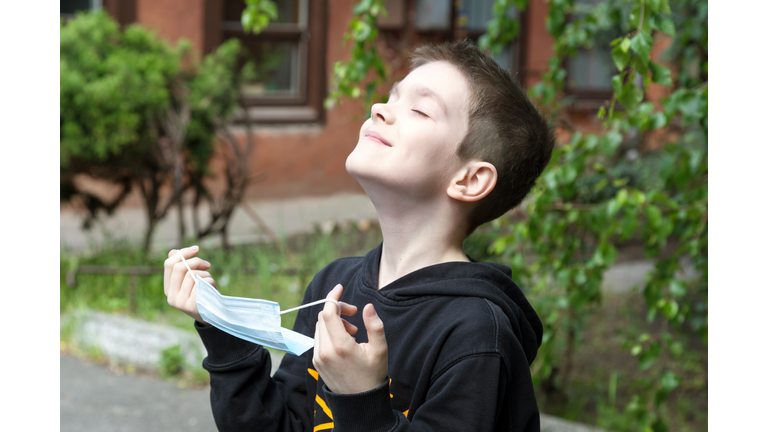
{"x":93,"y":398}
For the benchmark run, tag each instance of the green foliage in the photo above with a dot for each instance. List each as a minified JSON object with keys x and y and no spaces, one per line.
{"x":137,"y":112}
{"x":502,"y":29}
{"x":112,"y":82}
{"x":352,"y":78}
{"x":593,"y":196}
{"x":258,"y":14}
{"x":171,"y":362}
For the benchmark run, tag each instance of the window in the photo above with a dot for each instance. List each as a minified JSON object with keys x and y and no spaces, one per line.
{"x":472,"y":19}
{"x":68,"y":8}
{"x":437,"y":20}
{"x":123,"y":11}
{"x":590,"y":70}
{"x":288,"y":56}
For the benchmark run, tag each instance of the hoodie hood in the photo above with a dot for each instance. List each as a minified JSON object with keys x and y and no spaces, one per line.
{"x":493,"y":282}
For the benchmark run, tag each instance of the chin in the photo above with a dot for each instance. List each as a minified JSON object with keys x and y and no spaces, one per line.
{"x":356,"y":162}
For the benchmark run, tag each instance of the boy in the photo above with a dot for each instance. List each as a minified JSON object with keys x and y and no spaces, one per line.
{"x":457,"y":144}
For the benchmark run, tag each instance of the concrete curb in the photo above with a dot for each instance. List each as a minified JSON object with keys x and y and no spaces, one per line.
{"x":130,"y":341}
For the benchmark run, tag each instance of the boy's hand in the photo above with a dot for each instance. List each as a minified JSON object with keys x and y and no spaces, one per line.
{"x":179,"y":285}
{"x":346,"y":366}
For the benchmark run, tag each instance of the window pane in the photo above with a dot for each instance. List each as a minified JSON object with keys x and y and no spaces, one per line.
{"x":473,"y":15}
{"x":69,"y":7}
{"x":277,"y":69}
{"x":504,"y":58}
{"x":433,"y":15}
{"x":591,"y":70}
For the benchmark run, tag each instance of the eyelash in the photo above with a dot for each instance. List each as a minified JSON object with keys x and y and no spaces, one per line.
{"x":420,"y":113}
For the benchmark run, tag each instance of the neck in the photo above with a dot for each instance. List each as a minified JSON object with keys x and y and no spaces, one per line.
{"x":417,"y":234}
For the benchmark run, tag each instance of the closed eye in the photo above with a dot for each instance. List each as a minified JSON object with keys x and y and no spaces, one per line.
{"x":420,"y":113}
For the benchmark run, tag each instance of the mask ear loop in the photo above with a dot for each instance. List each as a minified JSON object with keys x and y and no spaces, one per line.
{"x":178,"y":252}
{"x":338,"y":305}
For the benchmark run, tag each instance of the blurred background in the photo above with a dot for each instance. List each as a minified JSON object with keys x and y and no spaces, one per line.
{"x":226,"y":123}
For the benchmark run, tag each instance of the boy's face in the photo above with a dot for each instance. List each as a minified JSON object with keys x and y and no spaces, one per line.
{"x":409,"y":144}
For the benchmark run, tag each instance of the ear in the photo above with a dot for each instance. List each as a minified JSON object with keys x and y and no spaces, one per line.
{"x":473,"y":181}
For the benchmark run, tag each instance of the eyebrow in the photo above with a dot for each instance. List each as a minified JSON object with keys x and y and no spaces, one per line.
{"x":423,"y":91}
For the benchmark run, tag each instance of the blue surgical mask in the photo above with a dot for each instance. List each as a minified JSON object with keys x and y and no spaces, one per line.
{"x":254,"y":320}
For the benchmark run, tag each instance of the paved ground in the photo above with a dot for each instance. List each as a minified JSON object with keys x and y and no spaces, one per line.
{"x":95,"y":399}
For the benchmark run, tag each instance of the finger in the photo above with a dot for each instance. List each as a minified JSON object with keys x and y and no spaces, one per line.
{"x":348,"y":309}
{"x":191,"y":297}
{"x":334,"y":326}
{"x":335,"y":295}
{"x":179,"y":273}
{"x":349,"y":327}
{"x":375,"y":328}
{"x":185,"y":291}
{"x":320,"y":338}
{"x":173,"y":258}
{"x":210,"y":280}
{"x":188,"y":252}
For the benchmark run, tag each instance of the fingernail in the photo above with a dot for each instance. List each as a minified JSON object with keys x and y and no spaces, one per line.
{"x":194,"y":247}
{"x":371,"y":311}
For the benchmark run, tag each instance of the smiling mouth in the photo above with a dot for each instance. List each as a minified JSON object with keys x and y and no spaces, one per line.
{"x":374,"y":136}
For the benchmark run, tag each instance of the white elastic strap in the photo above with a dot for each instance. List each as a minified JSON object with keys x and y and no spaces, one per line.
{"x":338,"y":306}
{"x":183,"y":260}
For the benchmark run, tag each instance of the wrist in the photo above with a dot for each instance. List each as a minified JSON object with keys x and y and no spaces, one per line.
{"x":372,"y":408}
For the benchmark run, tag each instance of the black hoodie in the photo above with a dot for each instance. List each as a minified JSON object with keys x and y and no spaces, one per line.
{"x":460,"y":338}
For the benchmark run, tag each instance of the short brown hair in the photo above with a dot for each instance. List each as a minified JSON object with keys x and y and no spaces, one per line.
{"x":505,"y":128}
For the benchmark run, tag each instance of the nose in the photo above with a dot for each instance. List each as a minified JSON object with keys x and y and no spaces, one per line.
{"x":380,"y":112}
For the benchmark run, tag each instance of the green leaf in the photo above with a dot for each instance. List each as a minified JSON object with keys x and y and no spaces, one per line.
{"x":664,"y":7}
{"x":658,"y":120}
{"x":641,"y":43}
{"x":667,"y":26}
{"x":671,"y":308}
{"x":616,"y":82}
{"x":612,"y":208}
{"x":630,"y":96}
{"x":620,"y":57}
{"x":610,"y":142}
{"x":621,"y":197}
{"x":361,"y":7}
{"x":669,"y":381}
{"x":654,"y":4}
{"x":636,"y":350}
{"x":625,"y":44}
{"x":654,"y":216}
{"x":660,"y":74}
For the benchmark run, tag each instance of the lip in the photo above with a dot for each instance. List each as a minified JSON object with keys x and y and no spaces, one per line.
{"x":375,"y":136}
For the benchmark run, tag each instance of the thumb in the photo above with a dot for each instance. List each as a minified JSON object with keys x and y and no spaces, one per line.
{"x":375,"y":328}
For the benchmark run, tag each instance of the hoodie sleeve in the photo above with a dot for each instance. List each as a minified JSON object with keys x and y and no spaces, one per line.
{"x":459,"y":399}
{"x":243,"y":395}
